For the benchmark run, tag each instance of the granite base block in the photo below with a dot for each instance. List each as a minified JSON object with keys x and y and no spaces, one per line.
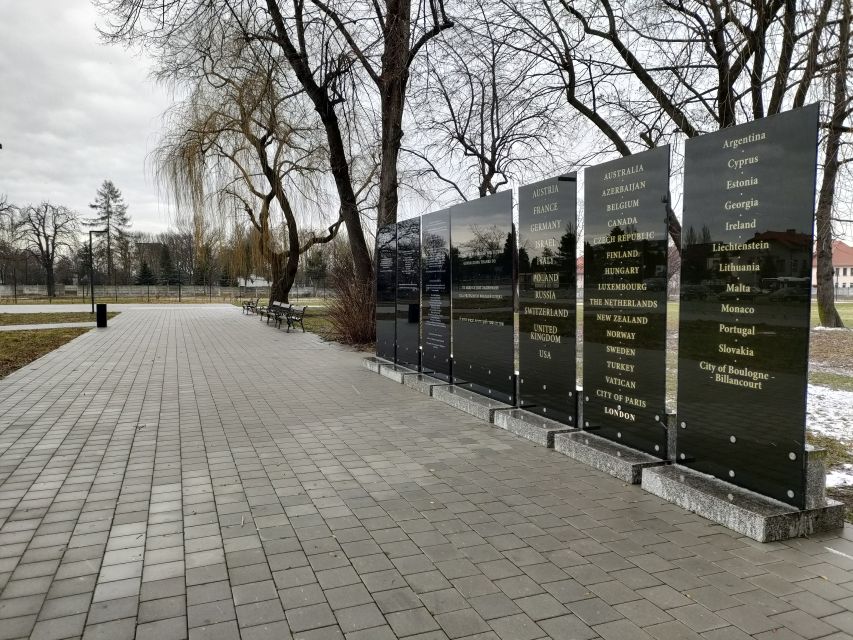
{"x":611,"y":457}
{"x":395,"y":372}
{"x":753,"y":515}
{"x":469,"y":402}
{"x":531,"y":426}
{"x":372,"y":363}
{"x":423,"y":383}
{"x":815,"y":476}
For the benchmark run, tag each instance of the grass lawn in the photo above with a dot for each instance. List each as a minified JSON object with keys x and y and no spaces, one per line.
{"x":317,"y":321}
{"x":835,"y":381}
{"x":845,"y":310}
{"x":19,"y":348}
{"x":49,"y":318}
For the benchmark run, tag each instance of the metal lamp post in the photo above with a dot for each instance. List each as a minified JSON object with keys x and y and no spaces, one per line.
{"x":92,"y":265}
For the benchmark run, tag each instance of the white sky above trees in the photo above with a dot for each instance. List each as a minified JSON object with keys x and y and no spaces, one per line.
{"x":74,"y":111}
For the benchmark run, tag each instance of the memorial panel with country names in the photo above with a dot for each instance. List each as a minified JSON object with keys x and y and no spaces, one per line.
{"x":547,"y":304}
{"x":745,"y":301}
{"x":625,"y":282}
{"x":386,"y":291}
{"x":408,"y":292}
{"x":435,"y":282}
{"x":482,"y":264}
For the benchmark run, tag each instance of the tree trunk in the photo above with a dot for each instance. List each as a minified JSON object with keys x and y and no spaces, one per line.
{"x":362,"y":262}
{"x":823,"y":217}
{"x":338,"y":160}
{"x":279,"y":284}
{"x":49,"y":280}
{"x":395,"y":75}
{"x":291,"y":265}
{"x":826,"y":310}
{"x":392,"y":135}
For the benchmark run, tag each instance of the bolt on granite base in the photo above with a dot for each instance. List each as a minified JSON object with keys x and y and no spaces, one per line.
{"x":423,"y":383}
{"x":755,"y":516}
{"x":469,"y":402}
{"x":611,"y":457}
{"x":529,"y":425}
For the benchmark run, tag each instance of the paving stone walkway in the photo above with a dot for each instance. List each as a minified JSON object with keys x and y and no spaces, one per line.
{"x":193,"y":473}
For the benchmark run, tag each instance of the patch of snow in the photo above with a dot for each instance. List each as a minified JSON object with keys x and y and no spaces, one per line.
{"x":830,"y":412}
{"x":840,"y":477}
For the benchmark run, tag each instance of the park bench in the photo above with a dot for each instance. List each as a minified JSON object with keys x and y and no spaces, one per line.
{"x":261,"y":309}
{"x":296,"y":316}
{"x":251,"y":306}
{"x":276,"y":311}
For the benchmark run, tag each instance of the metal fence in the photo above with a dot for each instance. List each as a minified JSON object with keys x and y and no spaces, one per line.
{"x":10,"y":294}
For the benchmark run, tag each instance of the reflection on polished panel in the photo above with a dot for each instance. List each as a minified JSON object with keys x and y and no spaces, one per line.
{"x":386,"y":291}
{"x":482,"y":258}
{"x":408,"y":292}
{"x":547,"y":289}
{"x":625,"y":281}
{"x":435,"y":309}
{"x":745,"y":301}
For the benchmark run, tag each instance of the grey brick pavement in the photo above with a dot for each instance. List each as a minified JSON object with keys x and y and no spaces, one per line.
{"x":193,"y":473}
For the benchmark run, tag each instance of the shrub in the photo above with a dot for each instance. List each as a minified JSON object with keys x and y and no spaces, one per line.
{"x":352,"y":310}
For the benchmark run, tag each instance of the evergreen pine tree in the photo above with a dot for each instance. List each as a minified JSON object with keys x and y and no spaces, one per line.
{"x":111,"y":215}
{"x":146,"y":276}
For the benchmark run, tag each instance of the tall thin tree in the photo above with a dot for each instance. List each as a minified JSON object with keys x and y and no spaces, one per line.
{"x":111,"y":216}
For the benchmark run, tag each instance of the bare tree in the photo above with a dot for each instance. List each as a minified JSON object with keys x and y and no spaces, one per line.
{"x":8,"y":250}
{"x":6,"y":207}
{"x":648,"y":74}
{"x":485,"y":116}
{"x":44,"y":230}
{"x":841,"y":110}
{"x":386,"y":38}
{"x":321,"y":42}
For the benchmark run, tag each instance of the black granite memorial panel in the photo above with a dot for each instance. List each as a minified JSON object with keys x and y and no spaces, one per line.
{"x":408,"y":292}
{"x":435,"y":309}
{"x":547,"y":303}
{"x":625,"y":278}
{"x":745,"y":299}
{"x":386,"y":291}
{"x":482,"y":259}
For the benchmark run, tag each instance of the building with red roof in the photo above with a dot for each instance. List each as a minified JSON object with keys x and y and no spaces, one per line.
{"x":842,"y":262}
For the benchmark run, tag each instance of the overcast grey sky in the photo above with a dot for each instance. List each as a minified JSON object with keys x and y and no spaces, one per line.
{"x":74,"y":111}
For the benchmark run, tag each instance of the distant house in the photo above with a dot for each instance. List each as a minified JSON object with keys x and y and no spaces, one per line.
{"x":253,"y":282}
{"x":842,"y":263}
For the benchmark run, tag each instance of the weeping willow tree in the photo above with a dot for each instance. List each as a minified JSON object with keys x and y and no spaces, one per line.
{"x":243,"y":140}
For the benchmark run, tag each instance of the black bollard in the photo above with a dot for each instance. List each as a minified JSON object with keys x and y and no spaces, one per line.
{"x":101,"y":315}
